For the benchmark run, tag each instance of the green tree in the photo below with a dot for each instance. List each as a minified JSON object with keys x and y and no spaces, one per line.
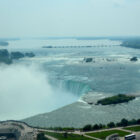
{"x":87,"y":127}
{"x":111,"y":124}
{"x":101,"y":126}
{"x":138,"y":121}
{"x":96,"y":127}
{"x":124,"y":122}
{"x":132,"y":122}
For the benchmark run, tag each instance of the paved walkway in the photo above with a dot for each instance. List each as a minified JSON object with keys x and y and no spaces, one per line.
{"x":91,"y":137}
{"x":85,"y":133}
{"x":50,"y":137}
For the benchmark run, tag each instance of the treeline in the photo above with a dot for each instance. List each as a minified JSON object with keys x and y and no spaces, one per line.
{"x":122,"y":123}
{"x":7,"y":57}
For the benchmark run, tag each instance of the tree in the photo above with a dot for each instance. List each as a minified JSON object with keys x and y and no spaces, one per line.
{"x":101,"y":126}
{"x":132,"y":122}
{"x":87,"y":127}
{"x":96,"y":127}
{"x":5,"y":56}
{"x":111,"y":124}
{"x":124,"y":122}
{"x":17,"y":55}
{"x":118,"y":124}
{"x":138,"y":121}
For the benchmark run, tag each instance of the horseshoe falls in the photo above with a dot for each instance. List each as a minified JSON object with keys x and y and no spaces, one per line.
{"x":56,"y":86}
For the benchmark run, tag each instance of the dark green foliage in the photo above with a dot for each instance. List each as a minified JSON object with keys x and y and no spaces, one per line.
{"x":30,"y":54}
{"x":17,"y":55}
{"x":41,"y":136}
{"x":87,"y":127}
{"x":96,"y":127}
{"x":101,"y":126}
{"x":5,"y":56}
{"x":116,"y":99}
{"x":124,"y":122}
{"x":132,"y":122}
{"x":111,"y":124}
{"x":138,"y":121}
{"x":118,"y":124}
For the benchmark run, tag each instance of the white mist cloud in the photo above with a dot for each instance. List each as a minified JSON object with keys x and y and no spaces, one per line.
{"x":25,"y":91}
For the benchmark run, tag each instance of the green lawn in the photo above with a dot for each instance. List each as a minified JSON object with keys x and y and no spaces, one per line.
{"x":133,"y":128}
{"x":69,"y":136}
{"x":104,"y":134}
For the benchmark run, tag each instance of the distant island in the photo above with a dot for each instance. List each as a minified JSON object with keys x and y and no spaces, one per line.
{"x":4,"y":43}
{"x":7,"y":58}
{"x":121,"y":98}
{"x":131,"y":43}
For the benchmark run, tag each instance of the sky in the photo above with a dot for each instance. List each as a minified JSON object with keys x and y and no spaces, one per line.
{"x":48,"y":18}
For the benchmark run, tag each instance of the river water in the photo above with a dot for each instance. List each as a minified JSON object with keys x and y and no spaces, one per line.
{"x":58,"y":76}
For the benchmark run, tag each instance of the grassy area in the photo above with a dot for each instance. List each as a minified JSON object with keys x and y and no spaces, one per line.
{"x":134,"y":128}
{"x":104,"y":134}
{"x":116,"y":99}
{"x":68,"y":137}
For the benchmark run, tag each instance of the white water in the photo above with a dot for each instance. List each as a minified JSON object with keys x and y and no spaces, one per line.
{"x":25,"y":91}
{"x":26,"y":87}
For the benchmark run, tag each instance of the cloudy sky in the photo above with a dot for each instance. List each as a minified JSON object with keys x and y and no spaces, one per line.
{"x":37,"y":18}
